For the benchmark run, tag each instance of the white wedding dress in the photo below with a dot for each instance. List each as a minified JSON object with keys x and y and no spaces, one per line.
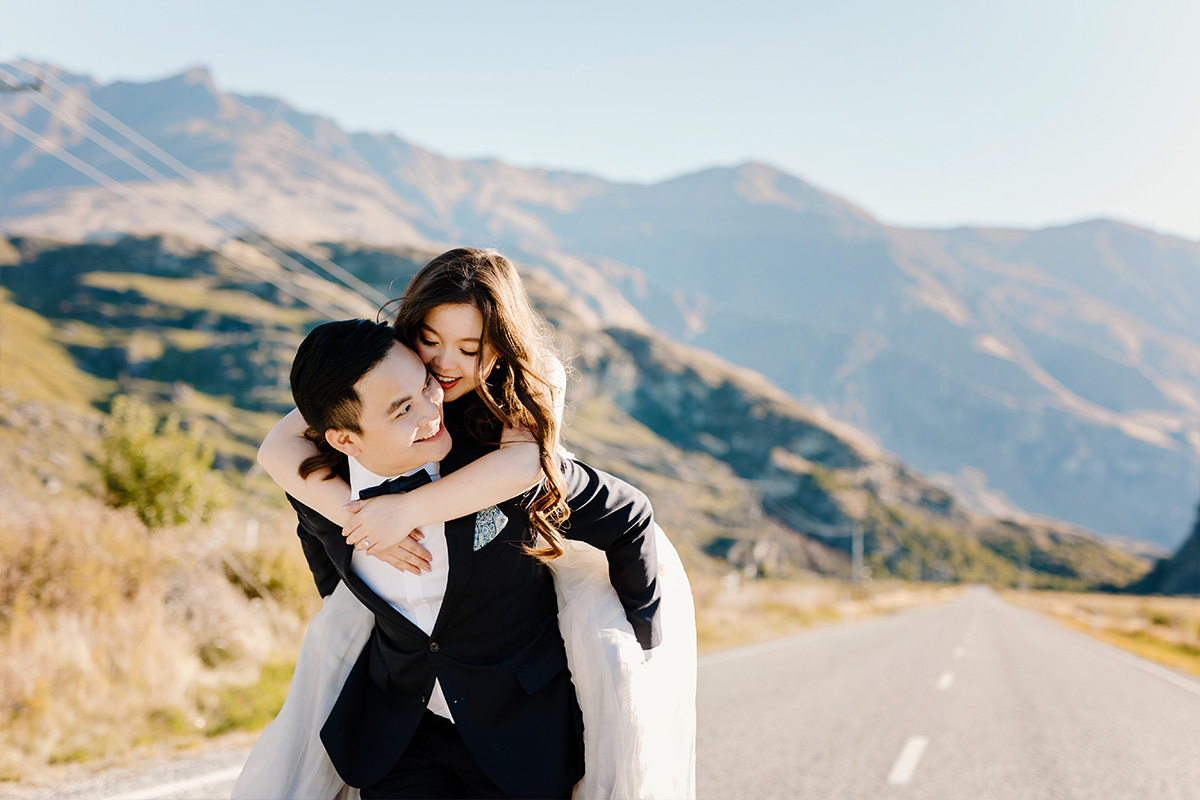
{"x":639,"y":716}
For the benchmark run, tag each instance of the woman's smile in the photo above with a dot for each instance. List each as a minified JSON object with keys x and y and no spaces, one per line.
{"x":446,"y":382}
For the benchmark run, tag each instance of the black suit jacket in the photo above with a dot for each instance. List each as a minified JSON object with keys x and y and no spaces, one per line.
{"x":495,"y":647}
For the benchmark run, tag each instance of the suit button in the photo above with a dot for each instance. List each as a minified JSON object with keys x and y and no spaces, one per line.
{"x":434,"y":647}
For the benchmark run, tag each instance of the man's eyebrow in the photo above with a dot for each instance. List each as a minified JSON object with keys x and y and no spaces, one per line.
{"x":394,"y":406}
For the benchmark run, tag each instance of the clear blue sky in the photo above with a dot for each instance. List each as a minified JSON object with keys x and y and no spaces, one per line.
{"x":1018,"y":112}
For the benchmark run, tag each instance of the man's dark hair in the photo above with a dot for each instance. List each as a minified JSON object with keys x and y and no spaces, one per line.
{"x":330,"y":360}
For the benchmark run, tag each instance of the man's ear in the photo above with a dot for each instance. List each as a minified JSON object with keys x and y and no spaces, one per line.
{"x":343,"y":441}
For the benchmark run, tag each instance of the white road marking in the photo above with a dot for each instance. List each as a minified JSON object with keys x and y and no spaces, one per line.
{"x":946,"y":681}
{"x":164,"y":789}
{"x":960,"y":651}
{"x":906,"y":764}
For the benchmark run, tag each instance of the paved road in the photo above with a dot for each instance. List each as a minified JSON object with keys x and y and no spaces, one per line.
{"x":971,"y":699}
{"x":202,"y":777}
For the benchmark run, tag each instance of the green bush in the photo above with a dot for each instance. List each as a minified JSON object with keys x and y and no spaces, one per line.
{"x":152,"y":464}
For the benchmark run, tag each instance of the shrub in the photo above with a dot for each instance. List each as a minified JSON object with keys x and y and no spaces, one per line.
{"x":152,"y":464}
{"x":111,"y":638}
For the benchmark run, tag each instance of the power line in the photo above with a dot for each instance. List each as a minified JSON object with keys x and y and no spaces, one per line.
{"x":268,"y":248}
{"x":36,"y":86}
{"x":196,"y":180}
{"x":200,"y":181}
{"x":87,"y":169}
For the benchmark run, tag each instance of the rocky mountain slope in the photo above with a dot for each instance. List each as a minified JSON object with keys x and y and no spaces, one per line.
{"x":1178,"y":574}
{"x":1051,"y":372}
{"x":738,"y":470}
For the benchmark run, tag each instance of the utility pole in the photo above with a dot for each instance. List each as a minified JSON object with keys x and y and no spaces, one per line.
{"x":856,"y":551}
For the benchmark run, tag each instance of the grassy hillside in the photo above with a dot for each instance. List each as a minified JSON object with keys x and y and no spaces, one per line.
{"x":48,"y":421}
{"x":744,"y":473}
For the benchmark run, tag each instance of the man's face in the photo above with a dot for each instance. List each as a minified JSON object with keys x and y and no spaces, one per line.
{"x":401,"y":417}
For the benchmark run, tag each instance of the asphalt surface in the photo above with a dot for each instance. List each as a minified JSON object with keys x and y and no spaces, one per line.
{"x":973,"y":699}
{"x":210,"y":775}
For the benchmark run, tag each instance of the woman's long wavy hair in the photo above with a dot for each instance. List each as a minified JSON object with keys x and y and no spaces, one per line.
{"x":518,"y":392}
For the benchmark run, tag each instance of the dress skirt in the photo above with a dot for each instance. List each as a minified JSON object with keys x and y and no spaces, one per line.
{"x":639,"y":715}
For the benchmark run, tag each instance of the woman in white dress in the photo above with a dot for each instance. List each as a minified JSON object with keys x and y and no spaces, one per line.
{"x":467,"y":317}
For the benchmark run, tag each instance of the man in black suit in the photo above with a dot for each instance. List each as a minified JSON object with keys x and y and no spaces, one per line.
{"x":463,"y":689}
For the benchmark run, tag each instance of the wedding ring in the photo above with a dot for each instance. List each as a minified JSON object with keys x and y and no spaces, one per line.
{"x":365,"y":544}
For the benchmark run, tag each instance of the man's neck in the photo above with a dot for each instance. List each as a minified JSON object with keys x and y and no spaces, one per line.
{"x":388,"y":471}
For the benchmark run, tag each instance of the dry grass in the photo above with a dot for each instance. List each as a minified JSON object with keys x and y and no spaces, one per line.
{"x":1161,"y":629}
{"x":113,"y":636}
{"x":115,"y":639}
{"x":731,"y":611}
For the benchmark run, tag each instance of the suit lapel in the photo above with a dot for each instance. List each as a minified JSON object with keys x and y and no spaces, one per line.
{"x":460,"y":533}
{"x":460,"y":545}
{"x":341,"y":554}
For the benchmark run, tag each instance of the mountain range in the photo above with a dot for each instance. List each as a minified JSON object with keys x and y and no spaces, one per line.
{"x":742,"y":475}
{"x":1043,"y":372}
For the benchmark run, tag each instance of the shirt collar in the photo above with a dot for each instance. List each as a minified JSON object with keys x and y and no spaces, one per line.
{"x":362,"y":478}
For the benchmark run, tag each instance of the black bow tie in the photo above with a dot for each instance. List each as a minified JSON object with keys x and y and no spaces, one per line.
{"x":405,"y":483}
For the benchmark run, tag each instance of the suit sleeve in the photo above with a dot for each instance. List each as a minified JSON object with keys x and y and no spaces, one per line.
{"x":308,"y":522}
{"x":616,"y":517}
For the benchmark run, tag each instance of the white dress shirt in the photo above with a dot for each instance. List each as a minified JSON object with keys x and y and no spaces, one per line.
{"x":417,"y":597}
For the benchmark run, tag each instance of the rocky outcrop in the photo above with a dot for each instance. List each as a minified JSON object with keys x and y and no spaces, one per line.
{"x":1179,"y":574}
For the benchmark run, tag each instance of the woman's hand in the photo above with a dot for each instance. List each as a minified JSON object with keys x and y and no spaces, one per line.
{"x":382,"y":528}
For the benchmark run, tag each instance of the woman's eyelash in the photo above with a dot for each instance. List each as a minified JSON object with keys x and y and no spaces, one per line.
{"x":469,"y":355}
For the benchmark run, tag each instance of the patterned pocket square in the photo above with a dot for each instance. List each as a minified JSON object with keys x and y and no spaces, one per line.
{"x":488,"y":523}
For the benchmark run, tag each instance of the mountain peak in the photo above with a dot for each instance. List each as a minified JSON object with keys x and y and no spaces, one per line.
{"x":759,"y":169}
{"x":197,"y":77}
{"x":193,"y":81}
{"x":198,"y":74}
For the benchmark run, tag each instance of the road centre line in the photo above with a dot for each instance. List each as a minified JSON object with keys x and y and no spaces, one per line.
{"x":906,"y":764}
{"x":175,"y":787}
{"x":946,"y":681}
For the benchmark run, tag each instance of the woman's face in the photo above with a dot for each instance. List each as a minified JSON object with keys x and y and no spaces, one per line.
{"x":449,"y":344}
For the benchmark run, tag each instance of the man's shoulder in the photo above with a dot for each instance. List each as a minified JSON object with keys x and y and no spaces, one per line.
{"x":309,"y":517}
{"x":597,"y":489}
